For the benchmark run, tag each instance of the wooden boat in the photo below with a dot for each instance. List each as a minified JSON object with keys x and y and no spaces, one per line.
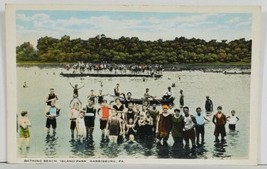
{"x":108,"y":75}
{"x":151,"y":101}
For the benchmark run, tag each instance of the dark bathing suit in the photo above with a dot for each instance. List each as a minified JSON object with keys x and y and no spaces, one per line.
{"x":89,"y":118}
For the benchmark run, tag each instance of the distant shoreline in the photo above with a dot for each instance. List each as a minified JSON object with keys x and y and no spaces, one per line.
{"x":166,"y":67}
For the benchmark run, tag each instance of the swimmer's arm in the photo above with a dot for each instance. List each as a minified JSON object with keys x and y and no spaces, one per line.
{"x":47,"y":111}
{"x":194,"y":121}
{"x":29,"y":123}
{"x":81,"y":87}
{"x":71,"y":85}
{"x":213,"y":119}
{"x":237,"y":118}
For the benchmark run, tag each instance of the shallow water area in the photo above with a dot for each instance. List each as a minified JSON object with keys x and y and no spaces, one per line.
{"x":232,"y":92}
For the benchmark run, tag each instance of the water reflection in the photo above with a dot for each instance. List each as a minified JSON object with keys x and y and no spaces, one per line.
{"x":50,"y":145}
{"x":233,"y":138}
{"x":132,"y":148}
{"x":178,"y":150}
{"x":23,"y":152}
{"x":83,"y":149}
{"x":163,"y":150}
{"x":147,"y":147}
{"x":201,"y":151}
{"x":220,"y":149}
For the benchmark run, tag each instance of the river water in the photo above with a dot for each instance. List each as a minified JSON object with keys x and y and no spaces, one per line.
{"x":232,"y":92}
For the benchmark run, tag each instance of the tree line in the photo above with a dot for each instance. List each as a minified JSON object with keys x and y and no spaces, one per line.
{"x":132,"y":50}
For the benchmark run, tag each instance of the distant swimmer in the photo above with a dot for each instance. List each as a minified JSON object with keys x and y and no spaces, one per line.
{"x":116,"y":90}
{"x":181,"y":99}
{"x":173,"y":85}
{"x":25,"y":85}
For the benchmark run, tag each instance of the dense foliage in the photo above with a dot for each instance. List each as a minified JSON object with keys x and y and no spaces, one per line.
{"x":132,"y":50}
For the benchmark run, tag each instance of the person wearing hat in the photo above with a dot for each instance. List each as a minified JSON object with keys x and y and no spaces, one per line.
{"x":164,"y":124}
{"x":168,"y":95}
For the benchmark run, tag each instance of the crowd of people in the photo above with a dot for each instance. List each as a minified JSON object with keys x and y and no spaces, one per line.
{"x":81,"y":67}
{"x":123,"y":119}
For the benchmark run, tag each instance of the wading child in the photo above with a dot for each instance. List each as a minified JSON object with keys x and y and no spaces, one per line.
{"x":52,"y":112}
{"x":219,"y":119}
{"x":73,"y":116}
{"x":24,"y":133}
{"x":233,"y":119}
{"x":81,"y":127}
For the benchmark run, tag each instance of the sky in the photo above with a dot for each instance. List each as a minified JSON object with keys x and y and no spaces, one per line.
{"x":33,"y":24}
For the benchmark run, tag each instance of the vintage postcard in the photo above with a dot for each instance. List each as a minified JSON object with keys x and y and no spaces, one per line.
{"x":132,"y":84}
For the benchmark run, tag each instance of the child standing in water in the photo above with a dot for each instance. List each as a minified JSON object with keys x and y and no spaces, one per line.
{"x":73,"y":116}
{"x":81,"y":127}
{"x":233,"y":119}
{"x":24,"y":133}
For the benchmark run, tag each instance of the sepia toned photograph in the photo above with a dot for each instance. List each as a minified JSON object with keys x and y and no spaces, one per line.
{"x":132,"y":84}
